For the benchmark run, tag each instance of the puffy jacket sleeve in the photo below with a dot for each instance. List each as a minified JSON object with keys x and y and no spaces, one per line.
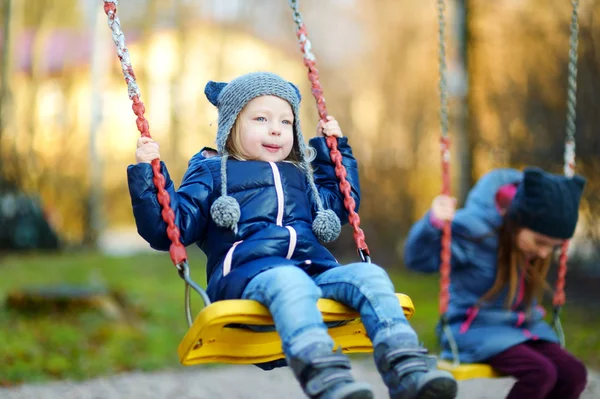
{"x":424,"y":244}
{"x":327,"y":182}
{"x":190,"y":203}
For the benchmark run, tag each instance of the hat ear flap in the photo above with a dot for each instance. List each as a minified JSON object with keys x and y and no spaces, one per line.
{"x":296,"y":90}
{"x":576,"y":185}
{"x":212,"y":91}
{"x":533,"y":178}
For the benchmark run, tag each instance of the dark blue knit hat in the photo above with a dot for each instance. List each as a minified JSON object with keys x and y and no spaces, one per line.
{"x":230,"y":98}
{"x":547,"y":203}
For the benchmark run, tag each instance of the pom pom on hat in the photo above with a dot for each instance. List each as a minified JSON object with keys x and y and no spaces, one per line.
{"x":225,"y":211}
{"x":326,"y":226}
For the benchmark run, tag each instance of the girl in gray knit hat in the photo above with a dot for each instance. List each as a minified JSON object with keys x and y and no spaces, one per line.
{"x":260,"y":211}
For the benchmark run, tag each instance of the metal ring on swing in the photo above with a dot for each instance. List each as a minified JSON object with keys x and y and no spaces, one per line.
{"x":451,"y":341}
{"x":184,"y":272}
{"x":558,"y":326}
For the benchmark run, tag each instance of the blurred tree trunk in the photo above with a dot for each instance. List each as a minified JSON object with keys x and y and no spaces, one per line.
{"x":465,"y":135}
{"x":6,"y":71}
{"x":28,"y":168}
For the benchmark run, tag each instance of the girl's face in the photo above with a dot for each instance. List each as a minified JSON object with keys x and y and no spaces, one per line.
{"x":536,"y":245}
{"x":266,"y":129}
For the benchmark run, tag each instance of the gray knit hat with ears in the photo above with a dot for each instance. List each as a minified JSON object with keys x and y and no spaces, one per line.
{"x":230,"y":98}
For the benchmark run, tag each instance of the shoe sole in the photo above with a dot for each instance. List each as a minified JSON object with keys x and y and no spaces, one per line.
{"x":439,"y":388}
{"x":355,"y":391}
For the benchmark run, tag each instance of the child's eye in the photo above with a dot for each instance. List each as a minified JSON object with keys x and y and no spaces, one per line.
{"x":287,"y":122}
{"x":260,"y":119}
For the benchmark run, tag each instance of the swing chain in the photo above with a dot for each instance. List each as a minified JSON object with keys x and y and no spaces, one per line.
{"x":446,"y":243}
{"x":110,"y":8}
{"x":336,"y":156}
{"x":443,"y":85}
{"x":451,"y":341}
{"x":569,"y":158}
{"x":177,"y":249}
{"x":309,"y":60}
{"x":364,"y":255}
{"x":569,"y":171}
{"x":184,"y":272}
{"x":558,"y":325}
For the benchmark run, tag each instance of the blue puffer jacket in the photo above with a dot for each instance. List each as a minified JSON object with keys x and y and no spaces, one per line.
{"x":277,"y":210}
{"x":481,"y":332}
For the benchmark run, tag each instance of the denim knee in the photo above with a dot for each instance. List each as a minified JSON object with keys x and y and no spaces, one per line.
{"x":287,"y":280}
{"x":370,"y":274}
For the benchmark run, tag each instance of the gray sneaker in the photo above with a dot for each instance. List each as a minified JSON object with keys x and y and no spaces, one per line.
{"x":410,"y":374}
{"x":326,"y":375}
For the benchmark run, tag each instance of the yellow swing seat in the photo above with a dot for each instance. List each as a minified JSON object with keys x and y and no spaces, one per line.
{"x":463,"y":371}
{"x":468,"y":371}
{"x":215,"y":335}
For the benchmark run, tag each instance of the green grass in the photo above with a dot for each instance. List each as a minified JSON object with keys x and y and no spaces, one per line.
{"x":83,"y":344}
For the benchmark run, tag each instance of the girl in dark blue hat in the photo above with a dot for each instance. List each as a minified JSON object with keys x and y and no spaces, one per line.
{"x":502,"y":245}
{"x":260,"y":211}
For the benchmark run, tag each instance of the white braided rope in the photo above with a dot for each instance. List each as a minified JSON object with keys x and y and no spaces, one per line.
{"x":569,"y":157}
{"x":119,"y":38}
{"x":443,"y":68}
{"x":569,"y":168}
{"x":303,"y":39}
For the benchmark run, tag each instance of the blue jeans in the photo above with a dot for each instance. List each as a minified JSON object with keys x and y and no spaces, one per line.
{"x":291,"y":296}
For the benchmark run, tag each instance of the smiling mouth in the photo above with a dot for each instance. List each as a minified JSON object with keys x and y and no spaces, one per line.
{"x":271,"y":147}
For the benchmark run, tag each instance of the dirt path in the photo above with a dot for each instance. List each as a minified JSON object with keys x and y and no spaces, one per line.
{"x":233,"y":383}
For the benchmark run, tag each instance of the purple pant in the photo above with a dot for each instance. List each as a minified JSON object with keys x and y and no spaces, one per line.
{"x":543,"y":371}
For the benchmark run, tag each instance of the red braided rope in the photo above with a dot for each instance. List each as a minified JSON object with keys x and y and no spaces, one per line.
{"x":177,"y":250}
{"x":559,"y":298}
{"x":569,"y":155}
{"x":559,"y":293}
{"x":446,"y":232}
{"x":336,"y":156}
